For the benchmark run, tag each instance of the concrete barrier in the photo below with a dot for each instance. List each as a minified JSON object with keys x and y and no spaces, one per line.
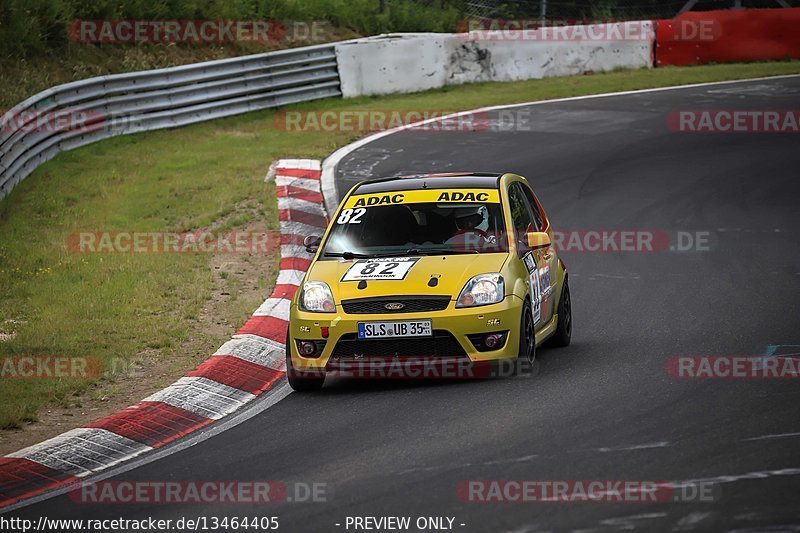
{"x":403,"y":63}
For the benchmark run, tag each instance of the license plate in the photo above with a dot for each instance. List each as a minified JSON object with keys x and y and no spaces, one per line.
{"x":406,"y":328}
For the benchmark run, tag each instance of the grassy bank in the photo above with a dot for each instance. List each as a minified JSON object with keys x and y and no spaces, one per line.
{"x":21,"y":77}
{"x":154,"y":307}
{"x":40,"y":27}
{"x":38,"y":51}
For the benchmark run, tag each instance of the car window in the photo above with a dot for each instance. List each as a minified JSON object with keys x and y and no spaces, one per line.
{"x":520,"y":215}
{"x":537,"y":215}
{"x":444,"y":227}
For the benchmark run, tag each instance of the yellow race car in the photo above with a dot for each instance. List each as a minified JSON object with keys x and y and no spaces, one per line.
{"x":457,"y":267}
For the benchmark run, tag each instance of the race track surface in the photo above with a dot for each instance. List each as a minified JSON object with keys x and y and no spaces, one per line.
{"x":605,"y":408}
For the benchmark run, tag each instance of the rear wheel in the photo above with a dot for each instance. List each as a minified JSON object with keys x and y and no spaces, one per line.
{"x":563,"y":333}
{"x":299,"y":380}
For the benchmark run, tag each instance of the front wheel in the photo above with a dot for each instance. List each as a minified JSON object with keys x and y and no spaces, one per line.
{"x":527,"y":335}
{"x":563,"y":333}
{"x":299,"y":380}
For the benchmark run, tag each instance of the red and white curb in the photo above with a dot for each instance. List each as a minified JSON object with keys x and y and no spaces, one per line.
{"x":248,"y":366}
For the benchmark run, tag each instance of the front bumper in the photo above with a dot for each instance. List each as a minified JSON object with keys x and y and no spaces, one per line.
{"x":458,"y":323}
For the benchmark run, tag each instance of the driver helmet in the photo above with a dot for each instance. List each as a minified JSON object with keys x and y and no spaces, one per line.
{"x":468,"y":218}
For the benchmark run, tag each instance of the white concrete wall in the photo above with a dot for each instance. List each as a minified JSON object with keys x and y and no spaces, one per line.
{"x":388,"y":64}
{"x":415,"y":62}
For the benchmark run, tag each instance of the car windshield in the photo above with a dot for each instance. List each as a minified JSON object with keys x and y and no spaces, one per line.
{"x":434,"y":228}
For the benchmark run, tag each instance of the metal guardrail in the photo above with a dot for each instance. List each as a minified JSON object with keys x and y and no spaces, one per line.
{"x":140,"y":101}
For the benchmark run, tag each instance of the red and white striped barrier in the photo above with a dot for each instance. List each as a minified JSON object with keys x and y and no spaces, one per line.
{"x":249,"y":365}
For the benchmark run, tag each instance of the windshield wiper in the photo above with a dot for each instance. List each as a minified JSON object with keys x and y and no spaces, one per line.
{"x":348,"y":255}
{"x":437,"y":251}
{"x":400,"y":253}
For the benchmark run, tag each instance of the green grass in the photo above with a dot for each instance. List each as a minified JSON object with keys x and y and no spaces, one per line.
{"x":119,"y":306}
{"x":21,"y":77}
{"x":40,"y":27}
{"x":36,"y":53}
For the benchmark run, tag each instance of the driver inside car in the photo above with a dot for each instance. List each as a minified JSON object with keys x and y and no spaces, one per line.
{"x":469,"y":235}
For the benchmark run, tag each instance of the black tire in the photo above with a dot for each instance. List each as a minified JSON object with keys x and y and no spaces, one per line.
{"x":527,"y":336}
{"x":563,"y":333}
{"x":302,"y":381}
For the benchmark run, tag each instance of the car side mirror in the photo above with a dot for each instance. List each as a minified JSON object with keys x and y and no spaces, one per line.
{"x":312,"y":243}
{"x":538,"y":239}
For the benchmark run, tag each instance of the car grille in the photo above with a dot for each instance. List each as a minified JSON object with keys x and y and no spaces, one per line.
{"x":413,"y":304}
{"x":442,"y":344}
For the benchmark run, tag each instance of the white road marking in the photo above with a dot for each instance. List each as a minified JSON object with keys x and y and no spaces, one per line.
{"x":290,"y":277}
{"x":298,"y":204}
{"x":277,"y":307}
{"x":691,"y":520}
{"x":595,"y":277}
{"x":630,"y":522}
{"x":292,"y":227}
{"x":646,"y":446}
{"x":718,"y":480}
{"x":300,"y":183}
{"x":255,"y":350}
{"x":81,"y":451}
{"x":773,"y":436}
{"x":294,"y":250}
{"x":203,"y":396}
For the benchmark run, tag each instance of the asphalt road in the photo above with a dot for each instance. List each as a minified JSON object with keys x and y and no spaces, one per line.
{"x":604,"y":408}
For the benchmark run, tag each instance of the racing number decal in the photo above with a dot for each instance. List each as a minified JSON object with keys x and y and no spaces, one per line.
{"x":533,"y":279}
{"x":386,"y":268}
{"x":393,"y":268}
{"x":544,"y":281}
{"x":351,"y":216}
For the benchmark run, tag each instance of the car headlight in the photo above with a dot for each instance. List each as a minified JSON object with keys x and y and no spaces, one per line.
{"x":316,"y":297}
{"x":483,"y":289}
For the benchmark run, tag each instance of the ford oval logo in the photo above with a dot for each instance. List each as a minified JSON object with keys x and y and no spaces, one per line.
{"x":394,"y":306}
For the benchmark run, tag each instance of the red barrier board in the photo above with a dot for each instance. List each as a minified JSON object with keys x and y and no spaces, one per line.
{"x":740,"y":35}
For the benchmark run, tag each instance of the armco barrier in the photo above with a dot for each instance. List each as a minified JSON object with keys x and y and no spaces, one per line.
{"x":400,"y":63}
{"x":697,"y":38}
{"x":155,"y":99}
{"x":164,"y":98}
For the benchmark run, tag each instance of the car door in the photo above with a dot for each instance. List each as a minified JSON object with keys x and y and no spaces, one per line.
{"x":547,"y":257}
{"x":533,"y":260}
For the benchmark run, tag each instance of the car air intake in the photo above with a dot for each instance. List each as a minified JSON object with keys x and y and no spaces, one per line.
{"x":395,"y":304}
{"x":442,"y":344}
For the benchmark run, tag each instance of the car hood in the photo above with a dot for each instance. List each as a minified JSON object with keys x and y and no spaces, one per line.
{"x":453,"y":272}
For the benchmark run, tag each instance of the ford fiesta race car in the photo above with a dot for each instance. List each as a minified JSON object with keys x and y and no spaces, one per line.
{"x":431,"y":268}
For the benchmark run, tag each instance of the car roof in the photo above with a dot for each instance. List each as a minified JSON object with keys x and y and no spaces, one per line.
{"x":449,"y":180}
